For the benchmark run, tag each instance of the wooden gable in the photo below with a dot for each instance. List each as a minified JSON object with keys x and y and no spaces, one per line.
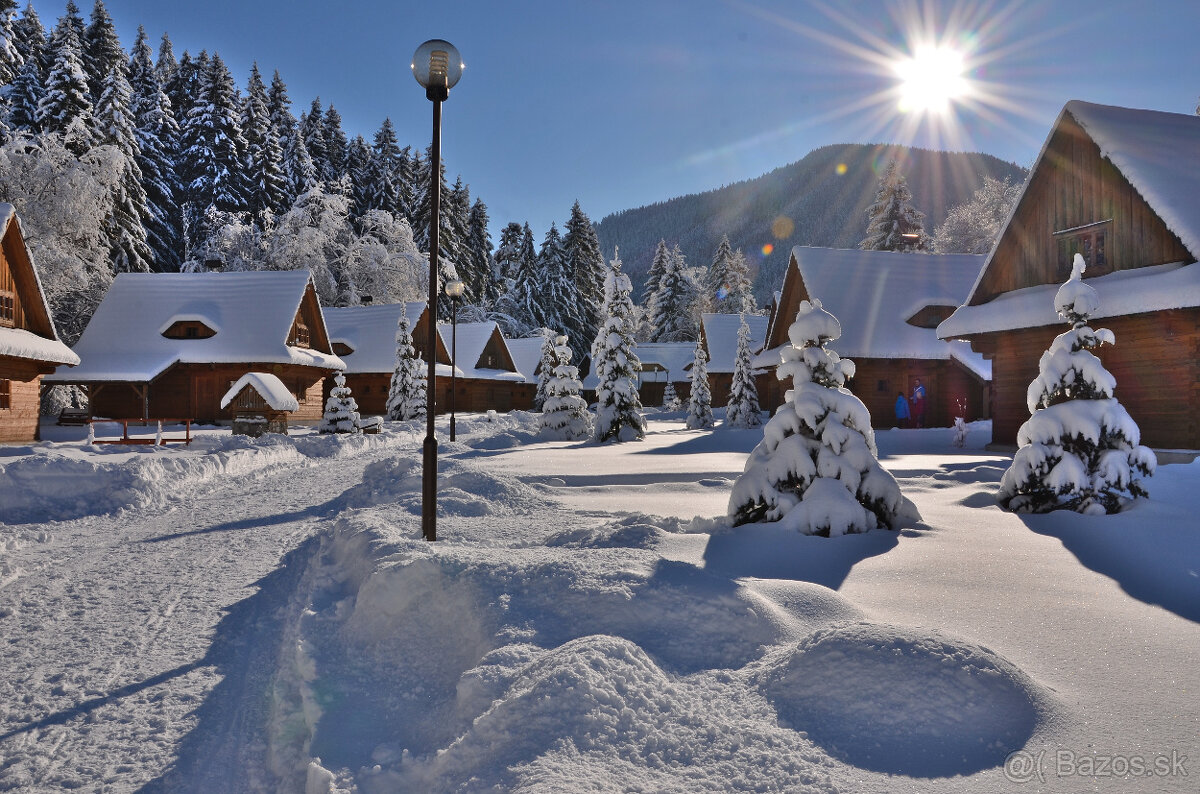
{"x":308,"y":327}
{"x":794,"y":291}
{"x":420,"y":335}
{"x":495,"y":354}
{"x":1075,"y":200}
{"x":21,"y":303}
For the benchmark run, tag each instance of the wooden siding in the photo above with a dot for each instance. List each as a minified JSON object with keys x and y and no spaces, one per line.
{"x":1073,"y":185}
{"x":370,"y":391}
{"x":19,"y":422}
{"x":17,"y":277}
{"x":1156,"y":363}
{"x":195,"y":390}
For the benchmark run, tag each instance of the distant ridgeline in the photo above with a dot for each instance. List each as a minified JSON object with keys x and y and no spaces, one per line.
{"x":820,"y":200}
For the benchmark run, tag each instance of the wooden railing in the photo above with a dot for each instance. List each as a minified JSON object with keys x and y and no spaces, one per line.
{"x":159,"y":437}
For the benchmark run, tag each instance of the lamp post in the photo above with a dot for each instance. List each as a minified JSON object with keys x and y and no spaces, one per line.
{"x":437,"y":66}
{"x":455,"y":290}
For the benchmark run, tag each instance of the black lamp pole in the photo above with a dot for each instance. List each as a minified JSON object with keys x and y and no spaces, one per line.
{"x":436,"y":66}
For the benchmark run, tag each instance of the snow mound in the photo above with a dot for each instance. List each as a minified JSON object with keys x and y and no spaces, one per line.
{"x":904,"y":701}
{"x":463,"y":489}
{"x":634,"y":532}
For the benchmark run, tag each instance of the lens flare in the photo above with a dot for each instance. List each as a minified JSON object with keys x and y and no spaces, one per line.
{"x":841,"y":169}
{"x":931,"y":79}
{"x":782,"y":227}
{"x":768,"y":249}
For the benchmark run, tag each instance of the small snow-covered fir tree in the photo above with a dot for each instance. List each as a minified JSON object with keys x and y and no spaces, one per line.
{"x":700,"y":414}
{"x":1079,"y":450}
{"x":410,"y":378}
{"x":816,"y":469}
{"x":743,"y":410}
{"x":341,"y":411}
{"x":565,"y":414}
{"x":894,"y":224}
{"x":545,"y":373}
{"x":614,"y":354}
{"x":671,"y":401}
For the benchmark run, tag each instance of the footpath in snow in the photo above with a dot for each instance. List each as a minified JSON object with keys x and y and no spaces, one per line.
{"x":586,"y":622}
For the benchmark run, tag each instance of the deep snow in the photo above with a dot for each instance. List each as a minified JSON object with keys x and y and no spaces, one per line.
{"x":263,"y":616}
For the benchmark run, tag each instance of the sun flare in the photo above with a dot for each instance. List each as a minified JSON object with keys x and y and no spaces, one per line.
{"x":931,"y":79}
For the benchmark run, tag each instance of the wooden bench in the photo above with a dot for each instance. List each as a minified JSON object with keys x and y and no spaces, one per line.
{"x":159,"y":438}
{"x":73,"y":416}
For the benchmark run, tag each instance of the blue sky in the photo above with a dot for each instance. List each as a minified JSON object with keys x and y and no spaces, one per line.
{"x":620,"y":104}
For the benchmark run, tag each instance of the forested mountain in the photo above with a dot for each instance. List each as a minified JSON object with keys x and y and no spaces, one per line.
{"x":820,"y":200}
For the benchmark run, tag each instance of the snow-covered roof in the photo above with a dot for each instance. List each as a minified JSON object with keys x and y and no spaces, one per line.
{"x":873,"y":293}
{"x":1143,"y":289}
{"x":252,"y":313}
{"x":18,"y":342}
{"x":526,"y":354}
{"x":472,"y":339}
{"x":371,"y":332}
{"x":273,"y":392}
{"x":1158,"y":152}
{"x":674,"y":357}
{"x":721,"y":334}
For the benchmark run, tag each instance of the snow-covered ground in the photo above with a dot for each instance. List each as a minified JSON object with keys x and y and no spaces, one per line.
{"x":263,"y":616}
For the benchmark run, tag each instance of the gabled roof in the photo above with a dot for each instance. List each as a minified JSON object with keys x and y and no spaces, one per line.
{"x":674,"y":357}
{"x":873,"y":293}
{"x":473,"y":338}
{"x":252,"y":313}
{"x":721,"y":337}
{"x":42,"y":342}
{"x":526,"y":355}
{"x":268,"y":386}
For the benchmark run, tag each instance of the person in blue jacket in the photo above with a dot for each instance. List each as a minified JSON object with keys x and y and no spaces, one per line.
{"x":901,"y":410}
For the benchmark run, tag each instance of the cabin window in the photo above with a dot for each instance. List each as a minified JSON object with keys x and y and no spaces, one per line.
{"x":188,"y":329}
{"x":1091,"y":241}
{"x":8,"y":308}
{"x":301,"y":337}
{"x":342,"y":349}
{"x":882,"y":386}
{"x":5,"y":394}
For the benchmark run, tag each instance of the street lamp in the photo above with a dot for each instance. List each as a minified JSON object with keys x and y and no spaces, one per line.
{"x":455,"y":290}
{"x":437,"y":66}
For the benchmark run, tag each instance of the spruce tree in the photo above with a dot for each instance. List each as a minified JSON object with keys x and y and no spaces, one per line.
{"x":158,"y":144}
{"x":126,"y":226}
{"x":341,"y":409}
{"x":671,"y":401}
{"x":551,"y":299}
{"x":565,"y":414}
{"x":265,"y":181}
{"x":337,"y":148}
{"x":1080,"y":448}
{"x":817,"y":470}
{"x":29,"y":37}
{"x":614,"y":357}
{"x":358,"y":172}
{"x":894,"y":224}
{"x":166,"y":66}
{"x":409,"y":387}
{"x":508,"y":253}
{"x":312,"y":130}
{"x":10,"y":52}
{"x":24,"y":95}
{"x":658,"y":264}
{"x":66,"y":107}
{"x":479,"y":250}
{"x":213,"y":148}
{"x":727,"y":284}
{"x":700,"y":413}
{"x":384,"y":176}
{"x":742,"y":409}
{"x":546,"y":365}
{"x":102,"y":51}
{"x":585,"y":263}
{"x":673,"y":313}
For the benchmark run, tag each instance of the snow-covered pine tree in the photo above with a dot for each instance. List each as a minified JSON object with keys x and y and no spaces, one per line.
{"x":10,"y":54}
{"x":384,"y":179}
{"x":893,"y":223}
{"x":546,"y":365}
{"x":654,"y":275}
{"x":585,"y":263}
{"x":336,"y":145}
{"x":115,"y":126}
{"x":816,"y":469}
{"x":565,"y":414}
{"x":166,"y":65}
{"x":1080,"y":448}
{"x":614,"y":356}
{"x":181,"y":84}
{"x":479,"y":249}
{"x":101,"y":50}
{"x":742,"y":409}
{"x":553,"y":299}
{"x":312,"y":130}
{"x":66,"y":107}
{"x":158,"y":143}
{"x":29,"y":37}
{"x":358,"y":172}
{"x":407,"y":395}
{"x":265,"y":181}
{"x":974,"y":227}
{"x":717,"y":277}
{"x":23,"y":96}
{"x":341,"y":410}
{"x":674,"y":311}
{"x":700,"y":413}
{"x":740,"y":296}
{"x":671,"y":401}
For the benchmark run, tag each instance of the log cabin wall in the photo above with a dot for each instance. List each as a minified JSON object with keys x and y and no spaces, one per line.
{"x":20,"y":399}
{"x":195,"y":390}
{"x":1073,"y":186}
{"x":1156,"y":363}
{"x":370,"y":391}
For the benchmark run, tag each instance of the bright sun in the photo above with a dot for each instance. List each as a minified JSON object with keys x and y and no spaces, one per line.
{"x":931,"y":79}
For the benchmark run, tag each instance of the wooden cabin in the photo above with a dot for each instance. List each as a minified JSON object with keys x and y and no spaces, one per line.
{"x":664,"y":362}
{"x":486,"y":377}
{"x":365,"y":338}
{"x":1119,"y":186}
{"x":719,"y":335}
{"x":259,"y":403}
{"x":889,"y":305}
{"x":169,"y":345}
{"x":29,"y":344}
